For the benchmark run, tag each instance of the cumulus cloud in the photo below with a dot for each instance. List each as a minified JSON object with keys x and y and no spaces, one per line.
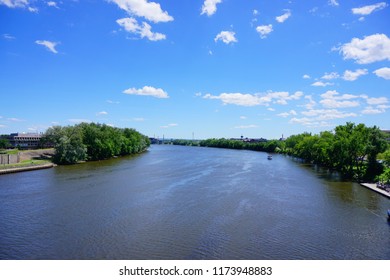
{"x":51,"y":46}
{"x":245,"y":99}
{"x":330,"y":76}
{"x":333,"y":99}
{"x":327,"y":114}
{"x":337,"y":106}
{"x":383,"y":73}
{"x":131,"y":25}
{"x":369,"y":110}
{"x":367,"y":10}
{"x":226,"y":36}
{"x":102,"y":113}
{"x":236,"y":98}
{"x":210,"y":7}
{"x":354,"y":75}
{"x":15,"y":3}
{"x":333,"y":3}
{"x":321,"y":84}
{"x":283,"y":17}
{"x":286,"y":114}
{"x":264,"y":30}
{"x":143,"y":8}
{"x":306,"y":76}
{"x":370,"y":49}
{"x":377,"y":100}
{"x":147,"y":91}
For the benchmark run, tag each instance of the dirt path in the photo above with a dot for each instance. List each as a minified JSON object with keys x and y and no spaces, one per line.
{"x":36,"y":154}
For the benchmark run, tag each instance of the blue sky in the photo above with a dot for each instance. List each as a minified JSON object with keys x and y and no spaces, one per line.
{"x":214,"y":68}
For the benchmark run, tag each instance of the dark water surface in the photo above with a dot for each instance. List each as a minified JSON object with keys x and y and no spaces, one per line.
{"x":176,"y":202}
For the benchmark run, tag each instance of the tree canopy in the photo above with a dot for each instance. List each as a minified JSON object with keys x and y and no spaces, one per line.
{"x":350,"y":149}
{"x":91,"y":141}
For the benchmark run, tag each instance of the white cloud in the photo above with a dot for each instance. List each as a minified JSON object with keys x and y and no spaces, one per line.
{"x":333,"y":3}
{"x":264,"y":30}
{"x":383,"y":73}
{"x":377,"y":100}
{"x":286,"y":114}
{"x":243,"y":117}
{"x":330,"y":76}
{"x":283,"y":17}
{"x":15,"y":3}
{"x":24,"y":4}
{"x":51,"y":46}
{"x":332,"y":99}
{"x":327,"y":114}
{"x":210,"y":7}
{"x":242,"y":99}
{"x":33,"y":10}
{"x":366,"y":10}
{"x":8,"y":37}
{"x":354,"y":75}
{"x":246,"y":126}
{"x":306,"y":76}
{"x":370,"y":49}
{"x":143,"y":8}
{"x":226,"y":36}
{"x":321,"y":84}
{"x":332,"y":103}
{"x":255,"y":12}
{"x":236,"y":98}
{"x":169,"y":125}
{"x":311,"y":104}
{"x":139,"y":119}
{"x":102,"y":113}
{"x":147,"y":91}
{"x":372,"y":111}
{"x":52,"y":4}
{"x":132,"y":26}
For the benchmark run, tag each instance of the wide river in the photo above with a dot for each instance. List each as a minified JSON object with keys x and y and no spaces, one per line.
{"x":176,"y":202}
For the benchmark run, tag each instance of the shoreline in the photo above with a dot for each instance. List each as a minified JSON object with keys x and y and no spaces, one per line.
{"x":26,"y":168}
{"x":374,"y":188}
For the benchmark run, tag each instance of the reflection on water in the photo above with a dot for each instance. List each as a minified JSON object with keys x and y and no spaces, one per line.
{"x":177,"y":202}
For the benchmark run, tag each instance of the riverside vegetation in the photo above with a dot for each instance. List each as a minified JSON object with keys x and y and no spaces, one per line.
{"x":351,"y":149}
{"x":91,"y":141}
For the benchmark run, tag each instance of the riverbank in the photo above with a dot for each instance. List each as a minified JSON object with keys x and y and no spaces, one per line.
{"x":26,"y":168}
{"x":376,"y":189}
{"x":29,"y":160}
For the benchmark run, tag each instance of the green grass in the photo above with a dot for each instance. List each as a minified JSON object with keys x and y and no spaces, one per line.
{"x":25,"y":163}
{"x":9,"y":152}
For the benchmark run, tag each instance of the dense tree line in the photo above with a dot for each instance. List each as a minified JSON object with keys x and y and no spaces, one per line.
{"x":350,"y":149}
{"x":184,"y":142}
{"x":91,"y":141}
{"x":265,"y":146}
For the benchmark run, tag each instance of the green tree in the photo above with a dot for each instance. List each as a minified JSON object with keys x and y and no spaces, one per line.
{"x":4,"y":143}
{"x":69,"y":148}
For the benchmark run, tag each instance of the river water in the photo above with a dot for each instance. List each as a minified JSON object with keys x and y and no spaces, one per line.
{"x":176,"y":202}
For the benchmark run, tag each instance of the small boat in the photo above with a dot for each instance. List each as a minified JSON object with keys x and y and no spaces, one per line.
{"x":269,"y":157}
